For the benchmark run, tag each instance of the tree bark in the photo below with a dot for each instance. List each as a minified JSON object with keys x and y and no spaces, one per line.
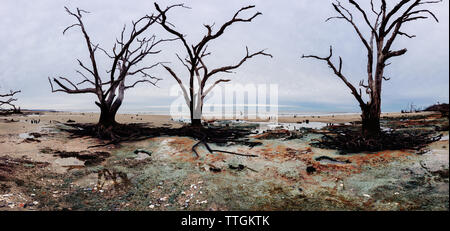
{"x":196,"y":122}
{"x":106,"y":123}
{"x":371,"y":120}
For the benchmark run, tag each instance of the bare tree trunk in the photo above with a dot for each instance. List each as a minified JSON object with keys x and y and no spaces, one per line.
{"x":108,"y":111}
{"x":371,"y":112}
{"x":107,"y":118}
{"x":371,"y":120}
{"x":106,"y":122}
{"x":196,"y":122}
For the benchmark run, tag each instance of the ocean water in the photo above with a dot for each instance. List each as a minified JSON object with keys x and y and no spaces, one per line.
{"x":231,"y":114}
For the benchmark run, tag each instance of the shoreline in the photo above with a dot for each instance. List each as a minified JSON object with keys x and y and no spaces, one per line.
{"x":160,"y":119}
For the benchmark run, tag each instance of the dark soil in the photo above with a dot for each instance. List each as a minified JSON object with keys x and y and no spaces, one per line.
{"x":8,"y":166}
{"x":89,"y":158}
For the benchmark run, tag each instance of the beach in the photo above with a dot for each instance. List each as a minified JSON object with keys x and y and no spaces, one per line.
{"x":45,"y":167}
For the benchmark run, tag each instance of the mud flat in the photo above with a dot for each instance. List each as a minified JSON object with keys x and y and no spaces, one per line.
{"x":42,"y":167}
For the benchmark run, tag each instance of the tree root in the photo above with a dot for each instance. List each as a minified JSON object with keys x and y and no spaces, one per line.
{"x":213,"y":150}
{"x":347,"y":141}
{"x":138,"y":132}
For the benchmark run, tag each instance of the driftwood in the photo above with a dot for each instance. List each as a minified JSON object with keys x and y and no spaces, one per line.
{"x":202,"y":141}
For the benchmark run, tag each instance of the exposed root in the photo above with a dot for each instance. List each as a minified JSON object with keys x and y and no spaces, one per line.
{"x":348,"y":141}
{"x":278,"y":134}
{"x":213,"y":150}
{"x":202,"y":141}
{"x":137,"y":132}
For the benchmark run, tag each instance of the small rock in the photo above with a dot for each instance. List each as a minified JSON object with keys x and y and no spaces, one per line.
{"x":310,"y":169}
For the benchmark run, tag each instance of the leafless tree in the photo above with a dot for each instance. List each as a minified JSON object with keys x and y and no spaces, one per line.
{"x":195,"y":61}
{"x":129,"y":51}
{"x":8,"y":100}
{"x":384,"y":26}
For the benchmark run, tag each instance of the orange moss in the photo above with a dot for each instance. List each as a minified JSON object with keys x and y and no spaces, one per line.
{"x":280,"y":152}
{"x":379,"y":158}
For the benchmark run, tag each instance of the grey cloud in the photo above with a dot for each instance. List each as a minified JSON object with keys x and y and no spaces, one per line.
{"x":34,"y":48}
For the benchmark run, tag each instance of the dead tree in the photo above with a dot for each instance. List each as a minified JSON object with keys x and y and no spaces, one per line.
{"x":129,"y":50}
{"x":195,"y":63}
{"x":385,"y":26}
{"x":8,"y":101}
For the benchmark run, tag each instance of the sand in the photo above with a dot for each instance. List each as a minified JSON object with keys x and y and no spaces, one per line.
{"x":172,"y":169}
{"x":49,"y":118}
{"x":335,"y":119}
{"x":13,"y":134}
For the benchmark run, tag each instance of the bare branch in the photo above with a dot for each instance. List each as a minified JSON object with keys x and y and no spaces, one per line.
{"x":338,"y":73}
{"x":349,"y":18}
{"x":66,"y":89}
{"x":243,"y":60}
{"x":217,"y":82}
{"x":144,"y":81}
{"x":10,"y":94}
{"x":395,"y":53}
{"x":185,"y":94}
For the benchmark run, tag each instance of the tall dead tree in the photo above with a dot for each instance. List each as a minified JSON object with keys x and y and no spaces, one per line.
{"x":8,"y":100}
{"x":384,"y":26}
{"x":129,"y":51}
{"x":195,"y":63}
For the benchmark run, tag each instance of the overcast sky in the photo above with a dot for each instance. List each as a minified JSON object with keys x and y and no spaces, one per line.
{"x":34,"y":48}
